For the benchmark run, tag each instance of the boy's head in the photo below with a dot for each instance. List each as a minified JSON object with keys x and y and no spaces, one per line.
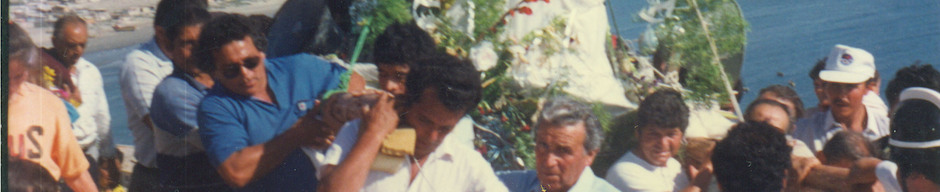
{"x":916,"y":75}
{"x":397,"y":51}
{"x":662,"y":116}
{"x":845,"y":147}
{"x":753,"y":157}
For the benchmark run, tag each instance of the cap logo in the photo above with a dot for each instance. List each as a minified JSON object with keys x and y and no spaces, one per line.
{"x":846,"y":59}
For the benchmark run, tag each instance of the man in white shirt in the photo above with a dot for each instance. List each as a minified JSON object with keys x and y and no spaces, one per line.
{"x":915,"y":140}
{"x":69,"y":38}
{"x":439,"y":92}
{"x":662,"y":119}
{"x":567,"y":139}
{"x":847,"y":74}
{"x":143,"y":69}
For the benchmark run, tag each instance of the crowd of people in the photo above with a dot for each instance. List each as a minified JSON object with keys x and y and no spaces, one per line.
{"x":209,"y":111}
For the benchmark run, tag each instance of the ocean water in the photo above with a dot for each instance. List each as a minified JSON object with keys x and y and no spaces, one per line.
{"x":785,"y":36}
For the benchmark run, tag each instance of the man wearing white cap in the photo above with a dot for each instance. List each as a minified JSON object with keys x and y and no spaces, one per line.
{"x":846,"y":74}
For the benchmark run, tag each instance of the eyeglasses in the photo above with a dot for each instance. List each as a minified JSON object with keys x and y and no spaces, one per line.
{"x":234,"y":70}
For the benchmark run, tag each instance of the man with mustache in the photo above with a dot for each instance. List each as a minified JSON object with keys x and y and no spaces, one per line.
{"x":846,"y":74}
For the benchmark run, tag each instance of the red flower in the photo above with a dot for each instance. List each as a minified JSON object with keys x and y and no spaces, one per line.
{"x":531,"y":1}
{"x":526,"y":128}
{"x":546,"y":1}
{"x":525,"y":10}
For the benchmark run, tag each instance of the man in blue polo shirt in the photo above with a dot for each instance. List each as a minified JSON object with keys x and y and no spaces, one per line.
{"x":254,"y":120}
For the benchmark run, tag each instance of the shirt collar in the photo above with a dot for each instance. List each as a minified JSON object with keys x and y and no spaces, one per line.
{"x":445,"y":151}
{"x":871,"y":127}
{"x":154,"y":48}
{"x":585,"y":181}
{"x":179,"y":73}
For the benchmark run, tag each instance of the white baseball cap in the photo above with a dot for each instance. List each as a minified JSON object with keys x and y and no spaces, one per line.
{"x":848,"y":65}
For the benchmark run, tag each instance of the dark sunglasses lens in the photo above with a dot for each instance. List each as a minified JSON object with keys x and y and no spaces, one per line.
{"x":251,"y":63}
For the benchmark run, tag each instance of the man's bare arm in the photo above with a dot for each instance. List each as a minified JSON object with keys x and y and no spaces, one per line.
{"x":250,"y":163}
{"x":82,"y":183}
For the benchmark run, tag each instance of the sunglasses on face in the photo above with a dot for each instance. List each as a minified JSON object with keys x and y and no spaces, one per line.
{"x":232,"y":71}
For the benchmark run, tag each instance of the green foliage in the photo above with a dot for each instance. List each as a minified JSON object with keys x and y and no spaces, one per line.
{"x":385,"y":13}
{"x":684,"y":36}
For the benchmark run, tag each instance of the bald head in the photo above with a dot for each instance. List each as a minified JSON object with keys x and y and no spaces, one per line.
{"x":69,"y":38}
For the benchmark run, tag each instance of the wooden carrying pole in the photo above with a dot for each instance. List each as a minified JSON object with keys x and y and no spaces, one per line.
{"x":717,"y":61}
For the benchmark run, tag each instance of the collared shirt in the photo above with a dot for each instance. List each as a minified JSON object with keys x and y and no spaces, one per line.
{"x":181,"y":159}
{"x":143,"y":69}
{"x":632,"y":173}
{"x":94,"y":121}
{"x":528,"y":181}
{"x":450,"y":167}
{"x":229,"y":122}
{"x":39,"y":131}
{"x":873,"y":102}
{"x":817,"y":129}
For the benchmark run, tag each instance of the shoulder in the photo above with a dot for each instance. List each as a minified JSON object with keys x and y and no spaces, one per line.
{"x":812,"y":122}
{"x":171,"y":87}
{"x":627,"y":165}
{"x":49,"y":101}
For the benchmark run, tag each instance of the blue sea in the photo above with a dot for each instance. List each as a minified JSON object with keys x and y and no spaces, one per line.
{"x":785,"y":36}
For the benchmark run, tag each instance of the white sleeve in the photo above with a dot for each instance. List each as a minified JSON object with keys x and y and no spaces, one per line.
{"x":486,"y":179}
{"x":886,"y":175}
{"x":345,"y":140}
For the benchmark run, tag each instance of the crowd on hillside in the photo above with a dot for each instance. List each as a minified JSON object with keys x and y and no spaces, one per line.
{"x":209,"y":110}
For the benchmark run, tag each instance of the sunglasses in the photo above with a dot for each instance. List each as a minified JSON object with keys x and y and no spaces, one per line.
{"x":235,"y":70}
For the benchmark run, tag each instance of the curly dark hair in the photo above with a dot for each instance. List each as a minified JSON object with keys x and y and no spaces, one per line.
{"x":456,"y":81}
{"x":916,"y":121}
{"x":916,"y":75}
{"x":402,"y":44}
{"x":753,"y":157}
{"x":220,"y":31}
{"x":25,"y":175}
{"x":664,"y":108}
{"x":789,"y":94}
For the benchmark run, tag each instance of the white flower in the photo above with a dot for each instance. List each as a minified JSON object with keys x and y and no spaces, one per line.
{"x":483,"y":56}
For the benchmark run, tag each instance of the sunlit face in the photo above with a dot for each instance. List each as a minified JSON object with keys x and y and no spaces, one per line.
{"x":560,"y":155}
{"x":70,"y":44}
{"x":182,"y":47}
{"x":773,"y":96}
{"x":819,"y":87}
{"x":432,"y":122}
{"x":239,"y":67}
{"x":658,"y":144}
{"x":773,"y":115}
{"x":845,"y":99}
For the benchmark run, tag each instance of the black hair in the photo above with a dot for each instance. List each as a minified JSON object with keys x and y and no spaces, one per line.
{"x":189,"y":16}
{"x":916,"y":121}
{"x":456,"y":81}
{"x":820,"y":65}
{"x":753,"y":157}
{"x":21,"y":47}
{"x":848,"y":145}
{"x":916,"y":75}
{"x":262,"y":23}
{"x":789,"y":94}
{"x":402,"y":44}
{"x":749,"y":113}
{"x":664,"y":108}
{"x":218,"y":32}
{"x":64,"y":20}
{"x":170,"y":12}
{"x":24,"y":175}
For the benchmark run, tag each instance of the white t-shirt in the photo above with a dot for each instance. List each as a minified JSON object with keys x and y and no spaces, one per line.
{"x":451,"y":167}
{"x":631,"y":173}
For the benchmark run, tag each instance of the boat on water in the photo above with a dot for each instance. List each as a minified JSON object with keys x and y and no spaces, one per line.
{"x":119,"y":28}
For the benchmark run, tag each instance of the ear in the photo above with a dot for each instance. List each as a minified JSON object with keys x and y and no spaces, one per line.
{"x":590,"y":157}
